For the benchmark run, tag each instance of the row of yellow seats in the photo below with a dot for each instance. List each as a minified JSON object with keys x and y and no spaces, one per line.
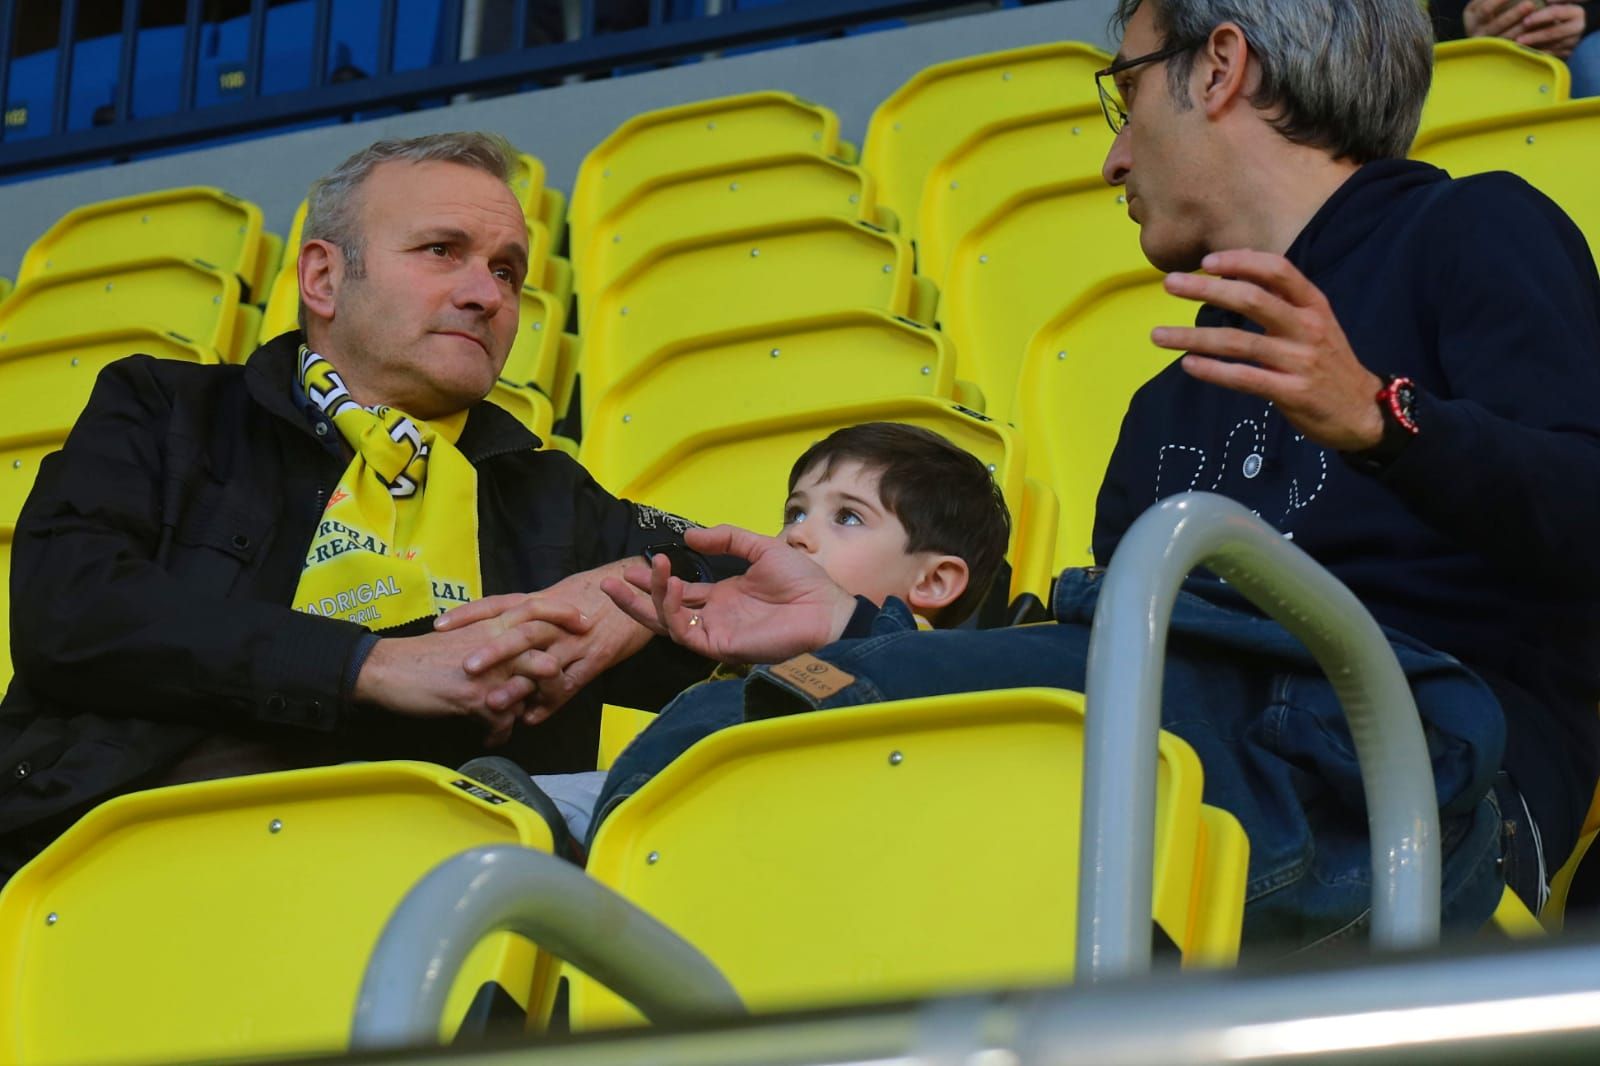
{"x":234,"y":918}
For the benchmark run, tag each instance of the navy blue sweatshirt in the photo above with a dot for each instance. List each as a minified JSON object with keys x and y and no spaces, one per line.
{"x":1483,"y":538}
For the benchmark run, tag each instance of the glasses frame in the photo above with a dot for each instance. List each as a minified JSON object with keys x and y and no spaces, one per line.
{"x":1110,"y":101}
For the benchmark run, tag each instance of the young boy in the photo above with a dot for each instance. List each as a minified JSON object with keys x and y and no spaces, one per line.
{"x":887,"y":511}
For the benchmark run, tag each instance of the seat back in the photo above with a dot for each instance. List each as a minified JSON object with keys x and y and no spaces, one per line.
{"x":728,"y":280}
{"x":6,"y":534}
{"x":1032,"y":256}
{"x":527,"y":405}
{"x":178,"y":296}
{"x":198,"y":222}
{"x":656,"y":143}
{"x":1556,"y":149}
{"x":1478,"y":77}
{"x":1080,"y":373}
{"x":44,"y":387}
{"x":759,"y":373}
{"x":998,"y":161}
{"x":886,"y":851}
{"x":737,"y":471}
{"x":536,"y":353}
{"x":233,"y":918}
{"x":941,"y":106}
{"x":740,"y":194}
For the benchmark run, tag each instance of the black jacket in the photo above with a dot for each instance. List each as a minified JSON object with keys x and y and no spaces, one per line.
{"x":1480,"y":538}
{"x":154,"y":561}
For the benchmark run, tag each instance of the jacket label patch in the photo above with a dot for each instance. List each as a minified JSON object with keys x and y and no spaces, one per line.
{"x":811,"y":675}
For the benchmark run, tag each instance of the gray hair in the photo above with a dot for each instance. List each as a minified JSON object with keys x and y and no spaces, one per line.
{"x":333,"y":205}
{"x":1347,"y":76}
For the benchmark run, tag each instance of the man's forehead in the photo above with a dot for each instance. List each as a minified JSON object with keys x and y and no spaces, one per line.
{"x":1138,"y":36}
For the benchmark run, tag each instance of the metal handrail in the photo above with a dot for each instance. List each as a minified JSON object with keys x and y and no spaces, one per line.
{"x":1123,"y":694}
{"x":503,"y":888}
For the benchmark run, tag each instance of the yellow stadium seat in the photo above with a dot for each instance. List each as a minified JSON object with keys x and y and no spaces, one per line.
{"x":271,"y":263}
{"x":758,"y":373}
{"x":895,"y":850}
{"x":536,"y":354}
{"x":995,"y":163}
{"x":726,"y":467}
{"x":1556,"y":149}
{"x":1479,"y":77}
{"x":292,"y":239}
{"x":558,"y":280}
{"x":528,"y":405}
{"x":43,"y":389}
{"x":701,"y":134}
{"x":1081,"y":370}
{"x":5,"y":288}
{"x":728,"y":280}
{"x":282,"y":312}
{"x":6,"y":533}
{"x":618,"y":727}
{"x":177,"y":296}
{"x":1033,"y":565}
{"x":201,"y":223}
{"x":926,"y":118}
{"x":553,"y":213}
{"x":1032,"y":256}
{"x":736,"y":195}
{"x":566,"y":373}
{"x":233,"y":919}
{"x":527,"y":183}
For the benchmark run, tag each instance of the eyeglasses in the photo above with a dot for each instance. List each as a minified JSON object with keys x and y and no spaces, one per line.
{"x":1111,"y":101}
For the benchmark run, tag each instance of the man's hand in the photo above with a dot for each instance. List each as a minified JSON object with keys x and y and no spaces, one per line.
{"x":423,"y":677}
{"x":1556,"y":29}
{"x":560,"y":639}
{"x":1303,"y":364}
{"x":783,"y":605}
{"x":1495,"y":18}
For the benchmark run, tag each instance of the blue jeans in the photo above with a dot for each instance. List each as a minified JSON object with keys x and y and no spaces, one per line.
{"x":1584,"y":62}
{"x":1241,"y":690}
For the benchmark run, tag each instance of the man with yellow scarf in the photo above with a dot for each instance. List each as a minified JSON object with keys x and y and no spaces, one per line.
{"x":231,"y":569}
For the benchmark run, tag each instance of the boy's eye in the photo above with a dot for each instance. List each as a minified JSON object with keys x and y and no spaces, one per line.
{"x":847,"y":517}
{"x":791,"y":515}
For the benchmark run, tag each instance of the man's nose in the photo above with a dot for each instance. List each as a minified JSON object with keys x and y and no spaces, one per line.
{"x":478,"y":288}
{"x":1119,"y":160}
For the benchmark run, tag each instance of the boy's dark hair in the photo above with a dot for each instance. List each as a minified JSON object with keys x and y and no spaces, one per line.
{"x":946,"y":499}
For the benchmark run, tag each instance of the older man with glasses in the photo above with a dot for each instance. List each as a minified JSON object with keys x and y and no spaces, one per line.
{"x":1399,"y":371}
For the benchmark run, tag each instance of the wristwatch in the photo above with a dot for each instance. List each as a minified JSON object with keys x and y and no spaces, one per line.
{"x":1397,"y":404}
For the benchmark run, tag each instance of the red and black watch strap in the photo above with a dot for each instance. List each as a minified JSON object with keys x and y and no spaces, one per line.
{"x":1397,"y":404}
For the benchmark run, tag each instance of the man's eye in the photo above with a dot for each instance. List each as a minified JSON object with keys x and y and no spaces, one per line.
{"x":440,"y":250}
{"x":791,"y":515}
{"x":847,"y":517}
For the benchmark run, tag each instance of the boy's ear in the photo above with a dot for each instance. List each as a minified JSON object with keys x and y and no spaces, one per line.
{"x":942,"y":581}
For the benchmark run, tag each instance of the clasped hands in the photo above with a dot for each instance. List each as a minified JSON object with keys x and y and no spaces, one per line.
{"x":505,"y":659}
{"x":1555,"y":28}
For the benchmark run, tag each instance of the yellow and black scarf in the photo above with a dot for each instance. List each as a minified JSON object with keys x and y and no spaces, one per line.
{"x":399,"y":538}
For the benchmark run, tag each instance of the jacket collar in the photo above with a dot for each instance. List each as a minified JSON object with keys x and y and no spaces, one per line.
{"x":269,"y":376}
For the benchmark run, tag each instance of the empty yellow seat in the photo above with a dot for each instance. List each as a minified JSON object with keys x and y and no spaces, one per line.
{"x":1081,"y":370}
{"x":757,"y":373}
{"x":736,"y":195}
{"x":6,"y":534}
{"x":672,"y":139}
{"x":1556,"y":149}
{"x":725,"y":281}
{"x":939,"y":108}
{"x":535,"y":356}
{"x":182,"y":297}
{"x":994,"y":164}
{"x":233,"y":919}
{"x":1032,"y":256}
{"x":5,"y":288}
{"x":896,"y":850}
{"x":527,"y":404}
{"x":189,"y":223}
{"x":43,"y":389}
{"x":1483,"y":76}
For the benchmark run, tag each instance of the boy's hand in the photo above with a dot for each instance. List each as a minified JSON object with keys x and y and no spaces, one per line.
{"x":783,"y":605}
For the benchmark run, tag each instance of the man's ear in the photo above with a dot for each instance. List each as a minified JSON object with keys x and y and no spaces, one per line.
{"x":941,"y":582}
{"x":1223,"y":69}
{"x":321,"y":268}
